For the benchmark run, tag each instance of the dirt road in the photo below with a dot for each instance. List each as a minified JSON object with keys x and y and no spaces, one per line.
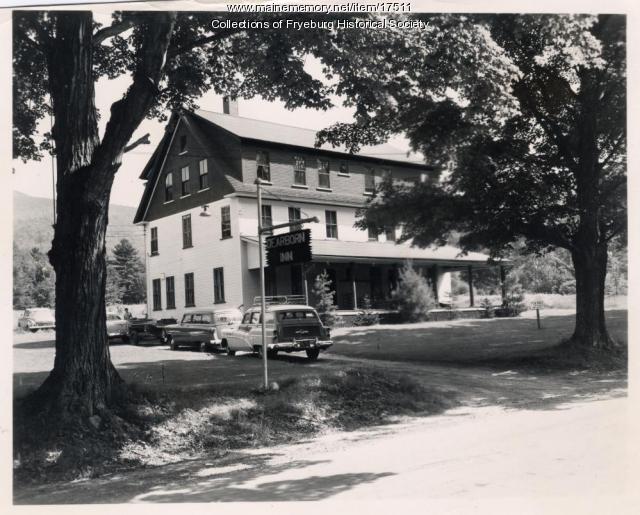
{"x":580,"y":454}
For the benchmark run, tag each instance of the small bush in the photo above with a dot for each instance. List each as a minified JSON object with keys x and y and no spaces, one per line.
{"x":488,"y":308}
{"x":366,"y":316}
{"x":513,"y":303}
{"x":325,"y":306}
{"x":413,"y":295}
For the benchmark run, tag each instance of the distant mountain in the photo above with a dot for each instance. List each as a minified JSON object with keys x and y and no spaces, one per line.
{"x":33,"y":218}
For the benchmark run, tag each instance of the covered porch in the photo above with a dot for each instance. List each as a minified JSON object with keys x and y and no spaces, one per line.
{"x":369,"y":270}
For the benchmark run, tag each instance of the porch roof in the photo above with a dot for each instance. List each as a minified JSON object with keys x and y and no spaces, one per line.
{"x":384,"y":253}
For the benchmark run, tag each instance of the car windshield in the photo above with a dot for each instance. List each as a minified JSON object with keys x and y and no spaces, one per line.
{"x":40,"y":314}
{"x":297,"y":314}
{"x":228,"y":317}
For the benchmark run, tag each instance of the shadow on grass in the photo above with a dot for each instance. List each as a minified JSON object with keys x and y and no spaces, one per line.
{"x":233,"y":478}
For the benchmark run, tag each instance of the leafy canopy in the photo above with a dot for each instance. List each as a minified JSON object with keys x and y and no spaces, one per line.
{"x":524,"y":115}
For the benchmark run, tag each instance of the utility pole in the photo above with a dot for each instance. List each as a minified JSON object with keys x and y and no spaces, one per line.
{"x":263,"y":308}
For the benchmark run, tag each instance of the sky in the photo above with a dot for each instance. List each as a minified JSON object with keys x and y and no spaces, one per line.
{"x":35,"y":178}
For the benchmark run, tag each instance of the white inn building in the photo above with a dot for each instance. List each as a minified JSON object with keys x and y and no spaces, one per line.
{"x":199,"y":212}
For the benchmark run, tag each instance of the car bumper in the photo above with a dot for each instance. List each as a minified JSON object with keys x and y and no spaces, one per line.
{"x":300,"y":345}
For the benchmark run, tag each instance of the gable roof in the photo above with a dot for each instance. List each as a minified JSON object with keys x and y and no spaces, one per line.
{"x":270,"y":132}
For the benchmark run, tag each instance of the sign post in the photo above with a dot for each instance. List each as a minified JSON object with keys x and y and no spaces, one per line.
{"x":283,"y":249}
{"x":537,"y":305}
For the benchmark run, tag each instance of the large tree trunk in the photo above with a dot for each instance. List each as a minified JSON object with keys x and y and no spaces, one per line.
{"x":83,"y":380}
{"x":590,"y":265}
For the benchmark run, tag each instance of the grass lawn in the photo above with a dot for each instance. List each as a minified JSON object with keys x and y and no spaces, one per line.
{"x":464,"y":341}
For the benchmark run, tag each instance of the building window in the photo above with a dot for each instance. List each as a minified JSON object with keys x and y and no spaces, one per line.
{"x":218,"y":285}
{"x":204,"y":175}
{"x":294,"y":215}
{"x":262,"y":166}
{"x":170,"y":286}
{"x":154,"y":241}
{"x":372,"y":233}
{"x":331,"y":220}
{"x":390,"y":233}
{"x":185,"y":181}
{"x":157,"y":296}
{"x":225,"y":221}
{"x":299,"y":171}
{"x":267,"y":220}
{"x":324,"y":179}
{"x":189,"y":292}
{"x":183,"y":144}
{"x":187,"y":240}
{"x":344,"y":169}
{"x":369,"y":180}
{"x":168,"y":187}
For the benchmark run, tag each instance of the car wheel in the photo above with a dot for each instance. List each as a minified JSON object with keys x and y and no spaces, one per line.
{"x":135,"y":337}
{"x":230,"y":352}
{"x":313,"y":354}
{"x":125,"y":338}
{"x":172,"y":343}
{"x":204,"y":346}
{"x":33,"y":329}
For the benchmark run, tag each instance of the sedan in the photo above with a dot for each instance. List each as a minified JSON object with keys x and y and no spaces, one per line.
{"x":35,"y":319}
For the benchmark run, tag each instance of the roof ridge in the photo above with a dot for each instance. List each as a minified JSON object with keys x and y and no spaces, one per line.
{"x":258,"y":120}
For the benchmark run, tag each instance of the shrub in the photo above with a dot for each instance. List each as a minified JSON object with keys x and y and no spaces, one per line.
{"x":487,"y":307}
{"x":325,"y":305}
{"x":366,"y":315}
{"x":513,"y":303}
{"x":413,"y":295}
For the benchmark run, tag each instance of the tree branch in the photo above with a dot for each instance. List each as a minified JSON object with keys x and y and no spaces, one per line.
{"x":614,"y":150}
{"x":144,"y":140}
{"x":113,"y":30}
{"x":130,"y":110}
{"x":174,"y":52}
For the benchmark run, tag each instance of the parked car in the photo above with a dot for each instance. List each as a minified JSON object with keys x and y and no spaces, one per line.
{"x":140,"y":328}
{"x":201,"y":328}
{"x":117,"y":327}
{"x":34,"y":319}
{"x":289,"y":328}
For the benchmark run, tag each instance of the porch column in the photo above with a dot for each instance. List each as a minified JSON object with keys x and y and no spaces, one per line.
{"x":470,"y":280}
{"x":435,"y":275}
{"x":503,"y":285}
{"x":305,"y":284}
{"x":355,"y":289}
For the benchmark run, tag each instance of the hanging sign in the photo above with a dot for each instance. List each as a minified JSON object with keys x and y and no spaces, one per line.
{"x":289,"y":248}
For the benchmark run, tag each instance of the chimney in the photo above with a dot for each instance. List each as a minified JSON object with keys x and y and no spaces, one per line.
{"x":230,"y":106}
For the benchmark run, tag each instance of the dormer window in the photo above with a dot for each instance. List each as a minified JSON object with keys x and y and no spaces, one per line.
{"x":168,"y":187}
{"x":369,"y":181}
{"x":204,"y":175}
{"x":324,"y":178}
{"x":262,"y":166}
{"x":299,"y":171}
{"x":185,"y":181}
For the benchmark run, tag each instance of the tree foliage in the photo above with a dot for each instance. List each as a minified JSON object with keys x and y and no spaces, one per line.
{"x":413,"y":295}
{"x":33,"y":279}
{"x":325,"y":303}
{"x":128,"y":269}
{"x":525,"y":117}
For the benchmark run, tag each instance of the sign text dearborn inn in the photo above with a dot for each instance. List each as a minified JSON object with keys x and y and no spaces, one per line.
{"x":289,"y":248}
